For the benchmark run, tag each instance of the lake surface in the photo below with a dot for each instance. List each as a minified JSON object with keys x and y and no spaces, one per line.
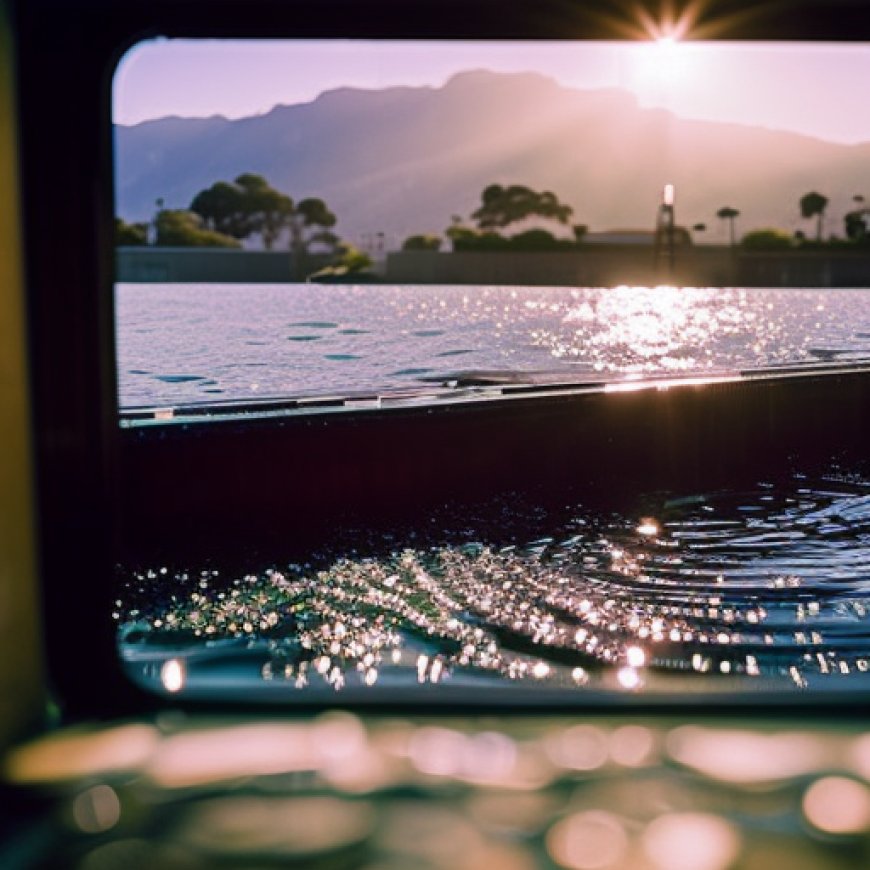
{"x":184,"y":343}
{"x":765,"y":589}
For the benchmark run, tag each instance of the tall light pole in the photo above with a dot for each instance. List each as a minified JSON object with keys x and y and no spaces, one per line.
{"x":665,"y":229}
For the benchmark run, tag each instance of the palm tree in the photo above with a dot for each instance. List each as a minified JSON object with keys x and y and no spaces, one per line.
{"x":813,"y":205}
{"x":726,"y":213}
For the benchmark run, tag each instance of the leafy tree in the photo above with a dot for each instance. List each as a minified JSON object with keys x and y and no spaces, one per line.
{"x":727,"y":213}
{"x":184,"y":229}
{"x":309,"y":224}
{"x":222,"y":209}
{"x":326,"y":240}
{"x":469,"y":239}
{"x":307,"y":221}
{"x":130,"y":234}
{"x":350,"y":265}
{"x":251,"y":205}
{"x":423,"y":242}
{"x":857,"y":224}
{"x":352,"y":259}
{"x":579,"y":231}
{"x":266,"y":210}
{"x":813,"y":204}
{"x":458,"y":233}
{"x":767,"y":239}
{"x":538,"y":240}
{"x":502,"y":206}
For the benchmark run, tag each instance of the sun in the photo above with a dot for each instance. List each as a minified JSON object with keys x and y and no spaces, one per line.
{"x":657,"y":71}
{"x":663,"y":58}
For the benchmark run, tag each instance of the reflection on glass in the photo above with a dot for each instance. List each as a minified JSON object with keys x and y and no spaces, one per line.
{"x":335,"y":790}
{"x":838,"y":805}
{"x":588,"y":841}
{"x":691,"y":841}
{"x":97,"y":809}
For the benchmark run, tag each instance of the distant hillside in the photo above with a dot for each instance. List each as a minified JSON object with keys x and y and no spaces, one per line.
{"x":403,"y":160}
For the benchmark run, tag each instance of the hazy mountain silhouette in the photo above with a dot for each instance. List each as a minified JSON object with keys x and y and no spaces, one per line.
{"x":403,"y":160}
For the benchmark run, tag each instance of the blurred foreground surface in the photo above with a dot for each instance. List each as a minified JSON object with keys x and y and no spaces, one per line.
{"x":337,"y":791}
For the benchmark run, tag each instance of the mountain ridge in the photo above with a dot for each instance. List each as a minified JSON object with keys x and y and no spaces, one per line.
{"x":404,"y":159}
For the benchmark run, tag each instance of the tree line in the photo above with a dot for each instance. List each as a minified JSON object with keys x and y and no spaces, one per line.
{"x":503,"y":207}
{"x":500,"y":208}
{"x":226,"y":213}
{"x":812,"y":205}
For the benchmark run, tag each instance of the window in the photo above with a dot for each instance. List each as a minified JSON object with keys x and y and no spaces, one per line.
{"x":204,"y":484}
{"x":452,"y":367}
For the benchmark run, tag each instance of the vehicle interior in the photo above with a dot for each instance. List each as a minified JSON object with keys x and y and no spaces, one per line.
{"x":138,"y":730}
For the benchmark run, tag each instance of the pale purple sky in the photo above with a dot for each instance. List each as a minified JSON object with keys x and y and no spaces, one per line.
{"x":817,"y":89}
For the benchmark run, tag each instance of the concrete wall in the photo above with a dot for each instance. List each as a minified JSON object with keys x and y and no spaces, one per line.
{"x":209,"y":265}
{"x":805,"y":269}
{"x":613,"y":265}
{"x":596,"y":267}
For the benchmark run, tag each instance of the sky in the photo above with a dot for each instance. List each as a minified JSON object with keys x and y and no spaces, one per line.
{"x":817,"y":89}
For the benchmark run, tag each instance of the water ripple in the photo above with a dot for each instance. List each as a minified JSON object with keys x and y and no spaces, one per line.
{"x":701,"y":588}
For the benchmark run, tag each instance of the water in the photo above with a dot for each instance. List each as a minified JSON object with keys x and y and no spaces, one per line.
{"x":765,"y":590}
{"x":182,"y":343}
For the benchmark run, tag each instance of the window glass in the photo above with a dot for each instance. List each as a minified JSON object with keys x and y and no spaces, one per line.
{"x":310,"y":228}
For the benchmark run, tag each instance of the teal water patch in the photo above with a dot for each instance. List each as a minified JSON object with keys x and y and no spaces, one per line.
{"x":411,"y":372}
{"x":179,"y":379}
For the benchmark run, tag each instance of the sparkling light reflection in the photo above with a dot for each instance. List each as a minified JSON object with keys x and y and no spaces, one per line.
{"x":593,"y":607}
{"x":172,"y":675}
{"x":621,"y":332}
{"x":635,"y":657}
{"x":629,"y":678}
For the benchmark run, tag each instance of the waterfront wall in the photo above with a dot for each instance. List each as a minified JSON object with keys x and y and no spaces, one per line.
{"x":210,"y":265}
{"x":804,"y":269}
{"x":599,"y":266}
{"x":592,"y":267}
{"x":698,"y":266}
